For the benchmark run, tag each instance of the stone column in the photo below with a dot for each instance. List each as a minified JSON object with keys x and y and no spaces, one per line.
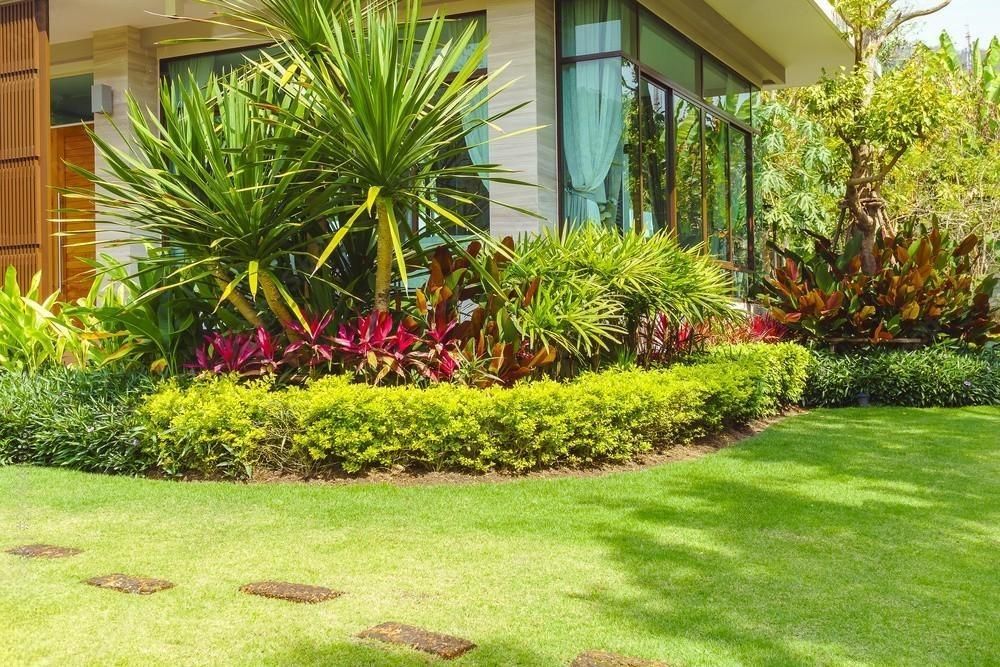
{"x":522,"y":32}
{"x":124,"y":64}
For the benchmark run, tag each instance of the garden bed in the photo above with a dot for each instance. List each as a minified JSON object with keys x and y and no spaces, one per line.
{"x":222,"y":427}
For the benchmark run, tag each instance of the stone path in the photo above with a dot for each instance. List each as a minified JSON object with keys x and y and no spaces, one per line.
{"x":43,"y":551}
{"x":291,"y":592}
{"x":123,"y":583}
{"x":446,"y":647}
{"x":443,"y":646}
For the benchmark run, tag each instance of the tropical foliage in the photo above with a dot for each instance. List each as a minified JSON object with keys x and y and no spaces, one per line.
{"x":923,"y":290}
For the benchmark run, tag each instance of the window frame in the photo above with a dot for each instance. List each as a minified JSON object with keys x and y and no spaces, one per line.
{"x":696,"y":99}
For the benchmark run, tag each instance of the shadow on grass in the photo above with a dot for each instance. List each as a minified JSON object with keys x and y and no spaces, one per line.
{"x":834,"y":539}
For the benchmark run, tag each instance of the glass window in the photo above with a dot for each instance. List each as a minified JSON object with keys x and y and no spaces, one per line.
{"x":738,"y":196}
{"x":597,"y":26}
{"x":687,"y":170}
{"x":455,"y":27}
{"x":667,"y":53}
{"x":71,"y":99}
{"x":726,"y":90}
{"x":599,"y":101}
{"x":204,"y":65}
{"x":653,"y":123}
{"x":717,"y":186}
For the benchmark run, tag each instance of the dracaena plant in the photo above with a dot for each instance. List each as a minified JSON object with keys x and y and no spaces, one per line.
{"x":217,"y":180}
{"x":383,"y":102}
{"x":923,"y":290}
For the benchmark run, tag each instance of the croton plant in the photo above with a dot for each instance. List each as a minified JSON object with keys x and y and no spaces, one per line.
{"x":924,"y":290}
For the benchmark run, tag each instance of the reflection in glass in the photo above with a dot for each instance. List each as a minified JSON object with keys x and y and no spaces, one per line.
{"x":653,"y":122}
{"x":597,"y":26}
{"x":738,"y":200}
{"x":599,"y":105}
{"x":71,"y":102}
{"x":687,"y":167}
{"x":717,"y":186}
{"x":666,"y":52}
{"x":726,"y":90}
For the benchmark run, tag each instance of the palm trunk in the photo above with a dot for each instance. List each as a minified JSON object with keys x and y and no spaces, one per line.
{"x":272,"y":295}
{"x":243,"y":307}
{"x":383,"y":260}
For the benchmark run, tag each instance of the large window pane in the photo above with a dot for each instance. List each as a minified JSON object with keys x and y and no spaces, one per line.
{"x":454,"y":28}
{"x":666,"y":52}
{"x":738,"y":196}
{"x":726,"y":90}
{"x":597,"y":26}
{"x":599,"y":102}
{"x":687,"y":167}
{"x":204,"y":65}
{"x":71,"y":99}
{"x":653,"y":123}
{"x":717,"y":186}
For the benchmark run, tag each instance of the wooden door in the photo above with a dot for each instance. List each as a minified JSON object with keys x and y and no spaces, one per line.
{"x":24,"y":146}
{"x":71,"y":145}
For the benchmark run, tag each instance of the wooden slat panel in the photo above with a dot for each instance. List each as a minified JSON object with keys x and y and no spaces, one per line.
{"x":72,"y":145}
{"x":24,"y":115}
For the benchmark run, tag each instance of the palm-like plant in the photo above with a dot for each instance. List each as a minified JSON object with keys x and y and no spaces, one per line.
{"x":384,"y":103}
{"x":222,"y":186}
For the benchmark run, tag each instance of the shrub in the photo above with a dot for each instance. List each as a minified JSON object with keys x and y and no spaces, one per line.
{"x":924,"y":289}
{"x":217,"y":427}
{"x":220,"y":426}
{"x":932,"y":377}
{"x":82,"y":419}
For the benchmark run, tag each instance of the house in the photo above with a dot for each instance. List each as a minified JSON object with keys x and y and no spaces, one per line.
{"x":646,"y":107}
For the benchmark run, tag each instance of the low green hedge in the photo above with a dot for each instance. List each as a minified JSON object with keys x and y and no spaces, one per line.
{"x":932,"y":377}
{"x":223,"y":427}
{"x":77,"y":419}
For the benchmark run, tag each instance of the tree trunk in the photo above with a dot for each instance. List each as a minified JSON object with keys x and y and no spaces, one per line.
{"x":383,"y":259}
{"x":243,"y":307}
{"x":272,"y":295}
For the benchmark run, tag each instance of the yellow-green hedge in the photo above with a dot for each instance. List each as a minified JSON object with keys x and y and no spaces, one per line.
{"x":223,"y":427}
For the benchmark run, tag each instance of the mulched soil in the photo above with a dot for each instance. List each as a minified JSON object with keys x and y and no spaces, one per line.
{"x":44,"y":551}
{"x":604,"y":659}
{"x":123,"y":583}
{"x":402,"y":477}
{"x":443,"y":646}
{"x":291,"y":592}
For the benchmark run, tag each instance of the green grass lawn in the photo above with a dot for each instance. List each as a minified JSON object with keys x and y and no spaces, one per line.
{"x":855,"y":537}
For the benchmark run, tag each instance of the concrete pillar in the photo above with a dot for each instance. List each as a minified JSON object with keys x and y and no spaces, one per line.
{"x":121,"y":62}
{"x":522,"y":32}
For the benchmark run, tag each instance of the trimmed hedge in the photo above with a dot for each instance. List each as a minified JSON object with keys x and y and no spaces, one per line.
{"x":222,"y":427}
{"x":932,"y":377}
{"x":76,"y":419}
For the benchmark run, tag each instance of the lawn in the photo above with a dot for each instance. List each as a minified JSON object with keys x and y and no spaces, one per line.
{"x":855,"y":537}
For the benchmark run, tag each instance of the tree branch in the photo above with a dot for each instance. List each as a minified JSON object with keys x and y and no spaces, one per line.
{"x":905,"y":17}
{"x":883,"y":173}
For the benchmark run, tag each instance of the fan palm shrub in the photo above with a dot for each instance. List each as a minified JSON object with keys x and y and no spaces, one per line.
{"x":630,"y":277}
{"x":383,"y":103}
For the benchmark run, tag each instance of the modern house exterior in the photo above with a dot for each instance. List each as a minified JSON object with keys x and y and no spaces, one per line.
{"x":646,"y":108}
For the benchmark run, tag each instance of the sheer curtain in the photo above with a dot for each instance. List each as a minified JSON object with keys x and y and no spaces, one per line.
{"x":593,"y":112}
{"x":592,"y":139}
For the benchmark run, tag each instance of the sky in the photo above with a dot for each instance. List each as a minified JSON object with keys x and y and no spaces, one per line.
{"x":980,"y":17}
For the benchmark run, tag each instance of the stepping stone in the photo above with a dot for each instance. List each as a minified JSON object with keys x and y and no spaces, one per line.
{"x":291,"y":592}
{"x":43,"y":551}
{"x":443,"y":646}
{"x":134,"y":585}
{"x":604,"y":659}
